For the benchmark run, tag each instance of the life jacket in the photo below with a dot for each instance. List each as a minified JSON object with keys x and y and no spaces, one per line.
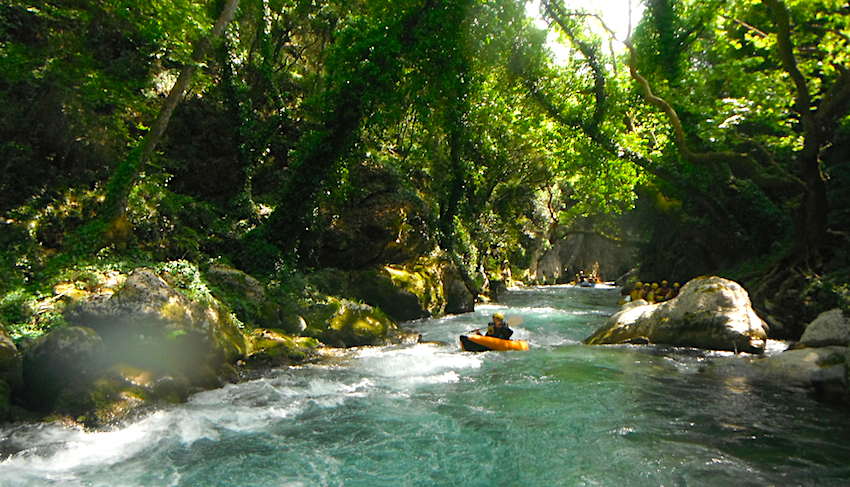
{"x":499,"y":331}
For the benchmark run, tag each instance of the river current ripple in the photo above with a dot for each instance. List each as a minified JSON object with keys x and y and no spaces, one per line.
{"x":561,"y":413}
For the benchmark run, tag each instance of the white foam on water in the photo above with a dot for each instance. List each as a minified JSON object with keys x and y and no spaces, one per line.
{"x":421,"y":360}
{"x":55,"y":452}
{"x":773,"y":347}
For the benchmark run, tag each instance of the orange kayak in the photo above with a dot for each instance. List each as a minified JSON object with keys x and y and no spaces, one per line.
{"x":482,"y":343}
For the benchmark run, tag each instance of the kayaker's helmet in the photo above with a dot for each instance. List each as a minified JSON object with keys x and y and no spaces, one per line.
{"x":663,"y":283}
{"x":675,"y":284}
{"x":500,"y":315}
{"x":654,"y":285}
{"x":638,"y":284}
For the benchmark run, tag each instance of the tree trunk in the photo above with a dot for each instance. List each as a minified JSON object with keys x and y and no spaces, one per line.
{"x":130,"y":170}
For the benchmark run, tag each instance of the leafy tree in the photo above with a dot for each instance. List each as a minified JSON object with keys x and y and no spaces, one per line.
{"x":129,"y":172}
{"x":745,"y":101}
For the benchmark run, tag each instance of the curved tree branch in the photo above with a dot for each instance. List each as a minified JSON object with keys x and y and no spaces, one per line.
{"x":589,"y":51}
{"x":789,"y":61}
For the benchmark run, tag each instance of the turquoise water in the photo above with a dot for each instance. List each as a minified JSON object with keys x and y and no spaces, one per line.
{"x":561,"y":413}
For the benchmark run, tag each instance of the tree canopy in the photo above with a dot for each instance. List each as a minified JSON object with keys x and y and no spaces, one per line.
{"x":712,"y":139}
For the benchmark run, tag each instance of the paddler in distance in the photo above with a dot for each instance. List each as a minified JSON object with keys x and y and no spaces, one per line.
{"x":498,"y":328}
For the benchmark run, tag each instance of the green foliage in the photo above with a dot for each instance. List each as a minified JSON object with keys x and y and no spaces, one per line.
{"x":27,"y":315}
{"x":79,"y":72}
{"x":186,"y":277}
{"x":311,"y":107}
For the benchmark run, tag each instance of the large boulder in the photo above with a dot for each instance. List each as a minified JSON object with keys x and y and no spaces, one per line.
{"x":427,"y":286}
{"x":829,"y":328}
{"x":344,"y":323}
{"x":709,"y":313}
{"x":381,"y":225}
{"x":390,"y":288}
{"x":459,"y":299}
{"x":57,"y":359}
{"x":10,"y":372}
{"x":10,"y":359}
{"x":150,"y":325}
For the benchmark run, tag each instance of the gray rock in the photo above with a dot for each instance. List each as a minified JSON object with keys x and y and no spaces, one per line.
{"x":236,"y":281}
{"x":10,"y":359}
{"x":575,"y":252}
{"x":710,"y":313}
{"x":458,"y":297}
{"x":830,"y":328}
{"x":149,"y":324}
{"x":60,"y":357}
{"x":806,"y":367}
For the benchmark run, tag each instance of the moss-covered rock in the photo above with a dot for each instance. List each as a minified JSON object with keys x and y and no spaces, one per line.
{"x":237,"y":282}
{"x":351,"y":324}
{"x":422,"y":279}
{"x":116,"y":392}
{"x":276,"y":347}
{"x":10,"y":360}
{"x":382,"y":288}
{"x":61,"y":357}
{"x":710,"y":313}
{"x":383,"y":225}
{"x":149,"y":324}
{"x":427,"y":286}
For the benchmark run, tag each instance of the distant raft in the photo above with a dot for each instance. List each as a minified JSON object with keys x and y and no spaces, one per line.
{"x":483,"y":343}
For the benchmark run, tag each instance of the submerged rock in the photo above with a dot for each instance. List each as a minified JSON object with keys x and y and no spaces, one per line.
{"x":275,"y":348}
{"x":805,"y":367}
{"x":820,"y":361}
{"x":710,"y":313}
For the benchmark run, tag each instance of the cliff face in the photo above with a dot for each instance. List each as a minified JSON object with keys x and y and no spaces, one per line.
{"x":577,"y":252}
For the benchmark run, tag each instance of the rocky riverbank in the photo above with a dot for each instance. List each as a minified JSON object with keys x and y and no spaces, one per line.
{"x":154,"y":336}
{"x":713,"y":313}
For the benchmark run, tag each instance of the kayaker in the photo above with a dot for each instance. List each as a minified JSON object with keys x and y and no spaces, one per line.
{"x":498,"y":328}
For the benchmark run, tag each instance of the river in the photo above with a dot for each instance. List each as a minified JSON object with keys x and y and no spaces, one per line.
{"x":430,"y":414}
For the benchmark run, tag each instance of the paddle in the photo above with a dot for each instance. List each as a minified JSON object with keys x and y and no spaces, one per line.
{"x":514,"y":320}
